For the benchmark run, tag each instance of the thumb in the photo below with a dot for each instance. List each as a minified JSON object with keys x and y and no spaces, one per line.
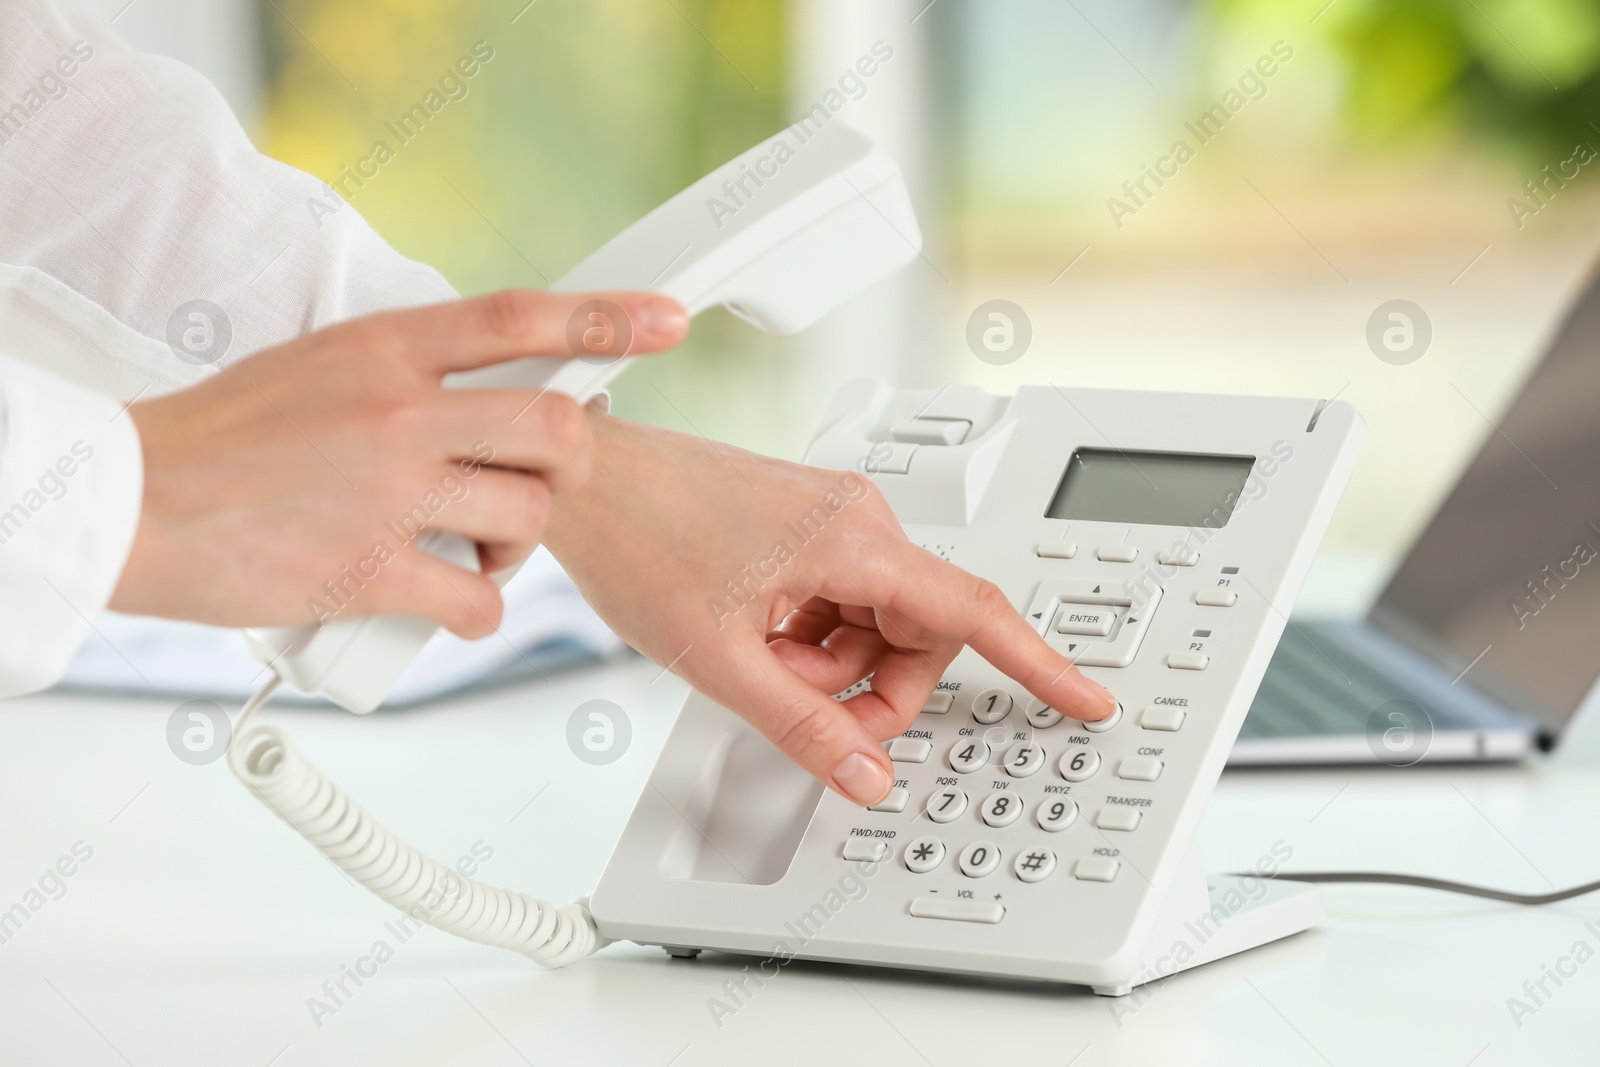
{"x":816,"y":731}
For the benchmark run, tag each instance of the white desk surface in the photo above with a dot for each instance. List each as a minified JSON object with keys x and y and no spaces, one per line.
{"x":201,"y":925}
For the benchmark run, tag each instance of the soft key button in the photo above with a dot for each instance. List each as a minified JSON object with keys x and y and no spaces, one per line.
{"x":1162,"y":717}
{"x":1089,"y":622}
{"x":1096,"y":869}
{"x":1116,"y":553}
{"x":1178,"y":556}
{"x":910,"y":750}
{"x":967,"y":911}
{"x":1139,"y":768}
{"x":931,"y":431}
{"x":895,"y":802}
{"x":1057,"y":549}
{"x":1124,"y":819}
{"x":864,"y":850}
{"x":897,"y":461}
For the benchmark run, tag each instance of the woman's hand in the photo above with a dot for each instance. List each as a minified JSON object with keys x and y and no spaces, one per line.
{"x":292,"y":486}
{"x":770,"y":586}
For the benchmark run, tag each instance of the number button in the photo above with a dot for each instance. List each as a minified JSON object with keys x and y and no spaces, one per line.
{"x":991,"y":705}
{"x":1023,"y":758}
{"x":948,"y":804}
{"x":1034,"y":865}
{"x":1079,"y":764}
{"x":1001,"y":809}
{"x":978,"y":859}
{"x":968,"y":755}
{"x":1106,"y":723}
{"x":924,"y":854}
{"x":1042,"y":716}
{"x":1056,"y":815}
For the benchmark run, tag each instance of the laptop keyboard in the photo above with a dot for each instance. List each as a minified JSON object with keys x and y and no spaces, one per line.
{"x":1315,"y":688}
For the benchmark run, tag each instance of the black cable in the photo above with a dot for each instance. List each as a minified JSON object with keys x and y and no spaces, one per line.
{"x":1428,"y":883}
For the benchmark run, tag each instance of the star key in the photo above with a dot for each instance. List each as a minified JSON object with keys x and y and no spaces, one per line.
{"x":924,"y":854}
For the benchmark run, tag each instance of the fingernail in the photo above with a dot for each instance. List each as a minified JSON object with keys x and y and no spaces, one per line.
{"x":663,"y":317}
{"x":862,"y":779}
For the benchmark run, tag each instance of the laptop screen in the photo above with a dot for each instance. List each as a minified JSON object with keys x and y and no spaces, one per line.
{"x":1504,"y":583}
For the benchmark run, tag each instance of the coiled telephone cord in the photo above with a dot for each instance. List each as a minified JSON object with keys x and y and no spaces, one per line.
{"x":270,"y":766}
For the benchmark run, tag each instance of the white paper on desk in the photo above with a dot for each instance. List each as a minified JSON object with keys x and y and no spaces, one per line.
{"x":546,"y":624}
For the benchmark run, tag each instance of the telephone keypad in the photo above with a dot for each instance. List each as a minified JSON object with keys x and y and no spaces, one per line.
{"x":948,"y":804}
{"x":991,"y":705}
{"x":969,"y":754}
{"x":1011,"y":804}
{"x":1079,"y":764}
{"x":1023,"y":759}
{"x":979,"y":859}
{"x":1001,"y":809}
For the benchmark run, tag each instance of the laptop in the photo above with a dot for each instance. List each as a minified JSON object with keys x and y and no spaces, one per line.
{"x":1486,"y":640}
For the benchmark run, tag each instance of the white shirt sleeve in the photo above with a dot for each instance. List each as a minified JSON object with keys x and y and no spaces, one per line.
{"x":70,"y":486}
{"x":131,"y":193}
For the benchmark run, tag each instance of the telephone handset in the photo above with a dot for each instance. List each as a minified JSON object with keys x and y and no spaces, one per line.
{"x":780,"y":236}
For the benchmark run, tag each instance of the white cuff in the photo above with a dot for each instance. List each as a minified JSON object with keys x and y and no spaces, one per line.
{"x":71,"y":485}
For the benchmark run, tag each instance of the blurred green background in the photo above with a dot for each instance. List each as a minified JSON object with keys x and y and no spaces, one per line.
{"x":1384,"y":159}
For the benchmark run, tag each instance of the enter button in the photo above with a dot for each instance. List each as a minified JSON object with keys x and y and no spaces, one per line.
{"x":1090,"y":622}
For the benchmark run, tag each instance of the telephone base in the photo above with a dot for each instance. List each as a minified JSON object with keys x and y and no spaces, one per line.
{"x":1233,"y":923}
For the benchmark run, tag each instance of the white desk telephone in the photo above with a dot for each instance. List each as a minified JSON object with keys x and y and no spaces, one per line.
{"x":1163,"y":560}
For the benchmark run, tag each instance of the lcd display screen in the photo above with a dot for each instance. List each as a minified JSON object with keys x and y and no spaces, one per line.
{"x":1150,"y":488}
